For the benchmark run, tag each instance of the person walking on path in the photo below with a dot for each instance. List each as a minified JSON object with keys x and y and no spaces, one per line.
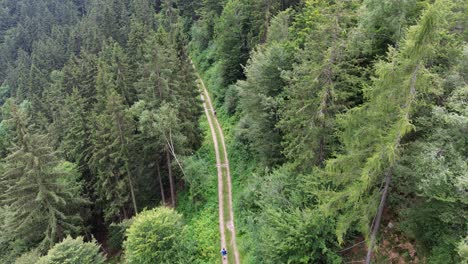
{"x":224,"y":253}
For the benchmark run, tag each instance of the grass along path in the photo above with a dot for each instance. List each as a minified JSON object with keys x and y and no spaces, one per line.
{"x":226,"y":213}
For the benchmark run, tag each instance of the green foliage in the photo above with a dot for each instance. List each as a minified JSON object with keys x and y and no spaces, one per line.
{"x":204,"y":232}
{"x":285,"y":228}
{"x":117,"y":234}
{"x":242,"y":25}
{"x":197,"y":176}
{"x":328,"y":96}
{"x":31,"y":257}
{"x":384,"y":23}
{"x":73,"y":250}
{"x":463,"y":250}
{"x":74,"y":125}
{"x":111,"y":156}
{"x":43,"y":206}
{"x":155,"y":236}
{"x":372,"y":133}
{"x":434,"y":168}
{"x":260,"y":102}
{"x":324,"y":83}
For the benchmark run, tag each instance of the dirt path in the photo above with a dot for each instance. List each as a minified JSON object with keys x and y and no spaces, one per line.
{"x":226,"y":213}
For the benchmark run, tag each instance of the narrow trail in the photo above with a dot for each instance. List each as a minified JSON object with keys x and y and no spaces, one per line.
{"x":226,"y":213}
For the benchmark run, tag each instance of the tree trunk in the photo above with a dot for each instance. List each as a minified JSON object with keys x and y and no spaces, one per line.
{"x":132,"y":190}
{"x":388,"y":177}
{"x":375,"y":228}
{"x":171,"y":181}
{"x":161,"y":187}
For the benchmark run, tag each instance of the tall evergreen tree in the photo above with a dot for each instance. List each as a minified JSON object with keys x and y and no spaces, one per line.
{"x":261,"y":94}
{"x":75,"y":128}
{"x":373,"y":133}
{"x":111,"y":157}
{"x":80,"y":73}
{"x":40,"y":202}
{"x":320,"y":85}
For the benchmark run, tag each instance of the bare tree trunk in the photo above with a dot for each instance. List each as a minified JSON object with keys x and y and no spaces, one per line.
{"x":132,"y":190}
{"x":123,"y":143}
{"x":171,"y":181}
{"x":161,"y":187}
{"x":170,"y":145}
{"x":375,"y":228}
{"x":388,"y":177}
{"x":124,"y":210}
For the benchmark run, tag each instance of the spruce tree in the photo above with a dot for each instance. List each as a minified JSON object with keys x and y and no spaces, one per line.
{"x":80,"y":73}
{"x":320,"y":85}
{"x":40,"y":202}
{"x":111,"y":156}
{"x":261,"y":94}
{"x":75,"y":128}
{"x":372,"y":133}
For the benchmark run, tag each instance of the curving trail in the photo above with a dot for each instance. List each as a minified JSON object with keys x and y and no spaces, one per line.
{"x":226,"y":213}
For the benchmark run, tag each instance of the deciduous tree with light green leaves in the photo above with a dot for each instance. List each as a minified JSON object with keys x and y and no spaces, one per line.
{"x":156,"y":236}
{"x":74,"y":251}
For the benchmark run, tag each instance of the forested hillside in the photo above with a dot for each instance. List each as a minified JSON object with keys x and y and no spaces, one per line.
{"x":346,"y":124}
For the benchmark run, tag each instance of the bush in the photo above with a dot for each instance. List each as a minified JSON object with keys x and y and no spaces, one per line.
{"x":197,"y":176}
{"x":30,"y":257}
{"x":73,"y":251}
{"x":117,"y":234}
{"x":231,"y":99}
{"x":156,"y":236}
{"x":463,"y":250}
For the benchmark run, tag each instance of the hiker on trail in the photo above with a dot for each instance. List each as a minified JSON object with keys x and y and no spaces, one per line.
{"x":214,"y":112}
{"x":224,"y":253}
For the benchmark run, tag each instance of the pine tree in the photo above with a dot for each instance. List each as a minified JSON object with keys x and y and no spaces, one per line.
{"x":187,"y":102}
{"x":41,"y":204}
{"x":74,"y":121}
{"x":320,"y":85}
{"x":18,"y":77}
{"x":143,"y":12}
{"x":111,"y":156}
{"x":149,"y":141}
{"x":232,"y":43}
{"x":135,"y":49}
{"x":384,"y":22}
{"x":120,"y":67}
{"x":80,"y":73}
{"x":159,"y":71}
{"x":261,"y":94}
{"x":372,"y":133}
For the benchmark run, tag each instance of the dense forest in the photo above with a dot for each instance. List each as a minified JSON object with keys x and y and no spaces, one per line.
{"x":346,"y":124}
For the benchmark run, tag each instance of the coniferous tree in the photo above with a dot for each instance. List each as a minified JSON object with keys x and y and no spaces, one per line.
{"x":120,"y":67}
{"x":261,"y":94}
{"x":75,"y":128}
{"x":372,"y":134}
{"x":35,"y":193}
{"x":110,"y":156}
{"x":18,"y":77}
{"x":384,"y":23}
{"x":80,"y":73}
{"x":320,"y":86}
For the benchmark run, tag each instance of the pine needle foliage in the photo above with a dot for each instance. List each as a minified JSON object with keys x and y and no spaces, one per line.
{"x":41,"y":204}
{"x":372,"y":133}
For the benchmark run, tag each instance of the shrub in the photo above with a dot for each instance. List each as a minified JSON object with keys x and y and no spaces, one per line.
{"x":30,"y":257}
{"x":156,"y":236}
{"x":117,"y":234}
{"x":73,"y":251}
